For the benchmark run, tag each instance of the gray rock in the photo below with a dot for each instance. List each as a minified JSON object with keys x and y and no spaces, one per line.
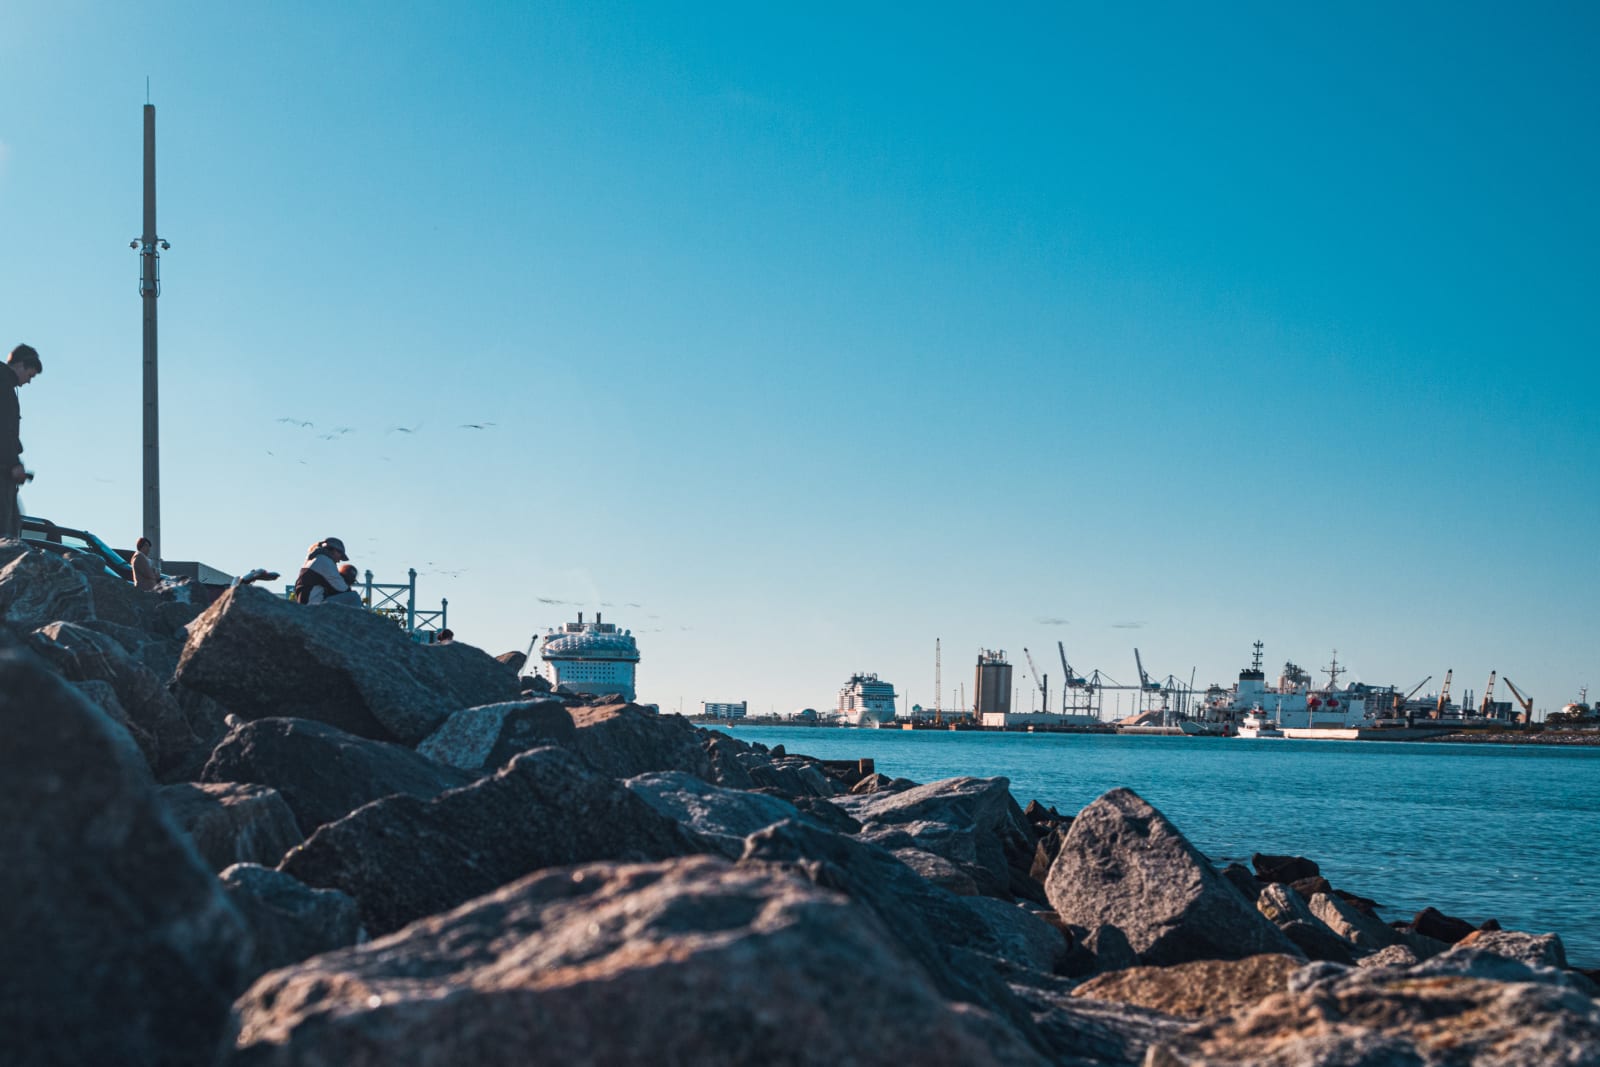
{"x":403,"y":858}
{"x":323,"y":773}
{"x":119,"y":946}
{"x":931,"y":925}
{"x":481,"y":739}
{"x":1021,"y":937}
{"x":625,"y":740}
{"x":261,"y":656}
{"x":1396,"y":955}
{"x":1332,"y":1016}
{"x":1470,"y":961}
{"x":1124,"y":864}
{"x":290,"y":920}
{"x":1352,"y":924}
{"x":939,"y":871}
{"x":1543,"y":950}
{"x":972,"y":822}
{"x":38,"y":587}
{"x":1288,"y":911}
{"x":1097,"y":1033}
{"x":690,"y":962}
{"x":83,"y":654}
{"x":102,"y":696}
{"x":791,"y":776}
{"x":231,"y":822}
{"x":722,"y":818}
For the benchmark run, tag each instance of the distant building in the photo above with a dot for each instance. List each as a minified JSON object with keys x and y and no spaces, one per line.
{"x":727,"y":711}
{"x":594,"y":658}
{"x":992,"y":687}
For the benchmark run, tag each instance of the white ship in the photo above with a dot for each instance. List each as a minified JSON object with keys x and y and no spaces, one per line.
{"x":591,"y":657}
{"x":866,"y":701}
{"x":1295,"y":703}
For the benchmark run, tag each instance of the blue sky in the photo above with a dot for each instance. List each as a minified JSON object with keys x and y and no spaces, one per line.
{"x":812,"y":335}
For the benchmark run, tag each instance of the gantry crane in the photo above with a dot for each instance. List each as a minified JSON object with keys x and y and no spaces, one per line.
{"x":1526,"y":702}
{"x":1144,"y":679}
{"x":1400,"y":701}
{"x":1444,"y":695}
{"x":1488,"y":697}
{"x":1044,"y":684}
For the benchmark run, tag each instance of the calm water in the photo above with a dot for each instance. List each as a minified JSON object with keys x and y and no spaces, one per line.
{"x":1478,"y":831}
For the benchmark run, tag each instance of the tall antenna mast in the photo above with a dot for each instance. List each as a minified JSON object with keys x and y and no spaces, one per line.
{"x":149,"y":247}
{"x":938,"y":682}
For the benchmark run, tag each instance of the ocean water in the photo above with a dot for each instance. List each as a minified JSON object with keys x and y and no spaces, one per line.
{"x":1510,"y":832}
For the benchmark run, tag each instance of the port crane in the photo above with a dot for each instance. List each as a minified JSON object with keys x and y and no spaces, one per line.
{"x":1079,"y":695}
{"x":1488,"y":697}
{"x":1044,"y":685}
{"x":1526,"y":702}
{"x":1400,"y":701}
{"x":1444,"y":695}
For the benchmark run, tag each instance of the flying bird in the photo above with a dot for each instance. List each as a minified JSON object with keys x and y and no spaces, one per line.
{"x":476,"y":425}
{"x":405,"y":429}
{"x":302,"y":423}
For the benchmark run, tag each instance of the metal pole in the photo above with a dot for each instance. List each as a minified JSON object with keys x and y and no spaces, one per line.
{"x":149,"y":290}
{"x":411,"y":603}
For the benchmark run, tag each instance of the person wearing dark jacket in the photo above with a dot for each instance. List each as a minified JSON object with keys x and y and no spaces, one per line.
{"x":319,"y":580}
{"x":19,"y":370}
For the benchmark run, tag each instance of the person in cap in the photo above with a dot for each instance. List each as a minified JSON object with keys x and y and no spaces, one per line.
{"x":319,"y":579}
{"x":22,"y":367}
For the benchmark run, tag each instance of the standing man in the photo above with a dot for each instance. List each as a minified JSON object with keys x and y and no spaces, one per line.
{"x":145,"y":575}
{"x":19,"y":370}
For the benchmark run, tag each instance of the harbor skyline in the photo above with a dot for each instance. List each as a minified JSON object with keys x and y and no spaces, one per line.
{"x":793,"y":342}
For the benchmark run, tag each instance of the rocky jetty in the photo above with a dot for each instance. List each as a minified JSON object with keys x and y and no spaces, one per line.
{"x":265,"y":834}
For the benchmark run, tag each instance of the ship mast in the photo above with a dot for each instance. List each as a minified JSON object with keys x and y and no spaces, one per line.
{"x":1334,"y":670}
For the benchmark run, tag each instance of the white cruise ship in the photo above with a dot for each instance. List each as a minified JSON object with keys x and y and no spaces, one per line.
{"x":591,"y":657}
{"x":866,"y":701}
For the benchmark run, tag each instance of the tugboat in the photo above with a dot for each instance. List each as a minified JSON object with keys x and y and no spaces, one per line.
{"x":1256,"y":724}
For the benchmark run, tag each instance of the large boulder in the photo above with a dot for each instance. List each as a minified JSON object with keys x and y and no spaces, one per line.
{"x":403,"y":858}
{"x":481,"y":739}
{"x":289,"y":920}
{"x":951,"y":942}
{"x":1333,"y":1016}
{"x":38,"y":587}
{"x":119,"y":946}
{"x":262,"y":656}
{"x":323,"y":773}
{"x":82,"y":654}
{"x":677,"y":963}
{"x":161,"y":614}
{"x":722,"y":818}
{"x":972,"y":822}
{"x":1543,"y":950}
{"x":1288,"y":911}
{"x":230,"y":822}
{"x":1124,"y":865}
{"x":625,"y":740}
{"x":1202,"y":989}
{"x":1352,"y":924}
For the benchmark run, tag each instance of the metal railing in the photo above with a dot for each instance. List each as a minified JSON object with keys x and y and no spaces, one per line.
{"x":398,"y":601}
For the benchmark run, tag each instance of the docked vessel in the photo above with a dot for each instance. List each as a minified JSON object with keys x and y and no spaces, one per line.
{"x":1256,"y":723}
{"x":1298,"y":704}
{"x":866,"y":700}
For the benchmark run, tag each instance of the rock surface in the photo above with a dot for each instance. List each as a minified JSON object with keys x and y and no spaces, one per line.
{"x":481,"y":739}
{"x":690,"y":962}
{"x":1124,"y":865}
{"x":322,"y":772}
{"x":722,"y":818}
{"x":232,"y":823}
{"x":261,"y":656}
{"x":119,"y":946}
{"x":1333,"y":1016}
{"x":1204,"y":989}
{"x":625,"y":740}
{"x":403,"y":858}
{"x":972,"y":822}
{"x":290,"y":921}
{"x":1288,"y":911}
